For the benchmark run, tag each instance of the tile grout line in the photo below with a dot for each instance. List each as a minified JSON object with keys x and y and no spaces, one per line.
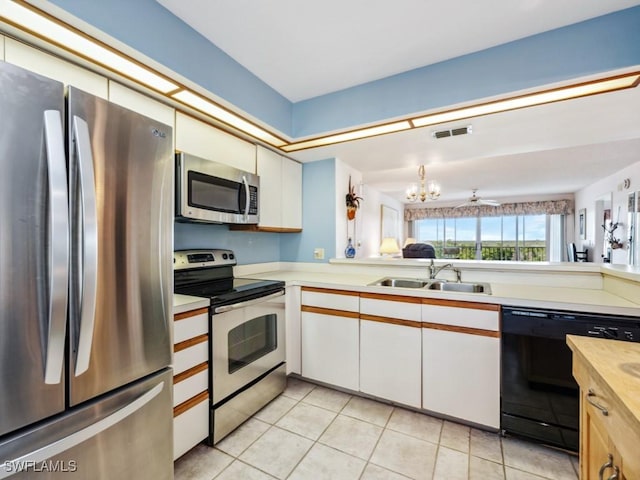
{"x":322,"y":433}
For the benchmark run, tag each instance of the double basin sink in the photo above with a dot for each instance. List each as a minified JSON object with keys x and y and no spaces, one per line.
{"x":441,"y":285}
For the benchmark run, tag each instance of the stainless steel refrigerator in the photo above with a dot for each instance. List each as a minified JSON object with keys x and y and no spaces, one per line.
{"x":86,"y":218}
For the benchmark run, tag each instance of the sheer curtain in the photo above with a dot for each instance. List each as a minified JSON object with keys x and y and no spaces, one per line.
{"x":556,"y":238}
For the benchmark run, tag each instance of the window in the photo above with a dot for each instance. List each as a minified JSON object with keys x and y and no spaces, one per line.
{"x":509,"y":237}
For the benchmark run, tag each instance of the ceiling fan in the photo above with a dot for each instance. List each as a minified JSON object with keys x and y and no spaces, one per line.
{"x":475,"y":201}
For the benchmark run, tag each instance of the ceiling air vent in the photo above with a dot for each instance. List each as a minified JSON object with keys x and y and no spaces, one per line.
{"x":452,"y":132}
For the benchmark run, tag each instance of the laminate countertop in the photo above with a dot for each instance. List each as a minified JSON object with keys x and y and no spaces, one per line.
{"x":184,"y":303}
{"x":513,"y":294}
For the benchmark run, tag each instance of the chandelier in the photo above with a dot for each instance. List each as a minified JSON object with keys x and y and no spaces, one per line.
{"x":431,"y":191}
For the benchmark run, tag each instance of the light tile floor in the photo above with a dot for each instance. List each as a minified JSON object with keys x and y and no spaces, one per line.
{"x":315,"y":433}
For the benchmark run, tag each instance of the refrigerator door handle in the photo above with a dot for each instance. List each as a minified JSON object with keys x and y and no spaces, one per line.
{"x":89,"y":240}
{"x":58,"y":251}
{"x":56,"y":448}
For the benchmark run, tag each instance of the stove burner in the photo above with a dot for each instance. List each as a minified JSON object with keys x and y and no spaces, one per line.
{"x":209,"y":274}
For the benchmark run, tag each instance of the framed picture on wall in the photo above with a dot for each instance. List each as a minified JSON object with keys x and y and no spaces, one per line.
{"x":582,"y":223}
{"x":389,"y":223}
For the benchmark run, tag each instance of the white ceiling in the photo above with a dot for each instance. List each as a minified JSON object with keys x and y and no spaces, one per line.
{"x":303,"y":49}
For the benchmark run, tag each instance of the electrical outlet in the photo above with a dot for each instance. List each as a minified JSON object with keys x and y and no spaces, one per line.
{"x":318,"y":253}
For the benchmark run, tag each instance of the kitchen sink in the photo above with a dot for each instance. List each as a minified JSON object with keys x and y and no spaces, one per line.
{"x":465,"y":287}
{"x":441,"y":285}
{"x":401,"y":282}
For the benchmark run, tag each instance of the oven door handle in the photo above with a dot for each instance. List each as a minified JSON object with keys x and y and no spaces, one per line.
{"x":248,"y":303}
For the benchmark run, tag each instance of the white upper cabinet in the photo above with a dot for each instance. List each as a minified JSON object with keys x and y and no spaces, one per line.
{"x":53,"y":67}
{"x":280,"y":191}
{"x":291,"y":194}
{"x":202,"y":140}
{"x":269,"y":168}
{"x":128,"y":98}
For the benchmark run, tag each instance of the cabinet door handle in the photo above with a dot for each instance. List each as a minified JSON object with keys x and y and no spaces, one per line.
{"x":616,"y":473}
{"x":606,"y":465}
{"x":590,"y":394}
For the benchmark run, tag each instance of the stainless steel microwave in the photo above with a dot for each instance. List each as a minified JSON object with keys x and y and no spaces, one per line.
{"x":213,"y":192}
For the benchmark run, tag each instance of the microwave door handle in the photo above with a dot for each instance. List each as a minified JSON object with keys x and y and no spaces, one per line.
{"x":247,"y":198}
{"x":58,"y":250}
{"x":248,"y":303}
{"x":89,"y":239}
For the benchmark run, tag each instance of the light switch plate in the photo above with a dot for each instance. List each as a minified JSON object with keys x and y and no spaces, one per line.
{"x":318,"y":253}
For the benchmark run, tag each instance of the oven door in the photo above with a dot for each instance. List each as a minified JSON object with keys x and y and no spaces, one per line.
{"x":247,"y":341}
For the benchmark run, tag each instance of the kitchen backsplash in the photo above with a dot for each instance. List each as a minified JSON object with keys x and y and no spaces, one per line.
{"x":249,"y":247}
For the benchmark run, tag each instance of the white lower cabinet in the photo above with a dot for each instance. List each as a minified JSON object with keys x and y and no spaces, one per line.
{"x":438,"y":355}
{"x":190,"y":380}
{"x":191,"y":426}
{"x":293,"y":325}
{"x":461,"y":376}
{"x":390,"y":361}
{"x":461,"y":363}
{"x":330,"y":349}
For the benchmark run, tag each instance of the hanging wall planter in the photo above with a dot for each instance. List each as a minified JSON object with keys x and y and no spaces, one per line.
{"x":352,"y":201}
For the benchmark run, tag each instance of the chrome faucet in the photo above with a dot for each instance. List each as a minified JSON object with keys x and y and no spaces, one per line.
{"x":434,"y":271}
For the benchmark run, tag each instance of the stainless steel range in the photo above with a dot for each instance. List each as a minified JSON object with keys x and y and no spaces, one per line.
{"x":246,"y":335}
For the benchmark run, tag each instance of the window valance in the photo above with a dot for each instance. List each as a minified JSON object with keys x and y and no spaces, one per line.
{"x":548,"y":207}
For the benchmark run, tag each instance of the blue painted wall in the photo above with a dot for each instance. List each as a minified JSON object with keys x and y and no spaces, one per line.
{"x":597,"y":45}
{"x":319,"y":217}
{"x":604,"y":43}
{"x":608,"y":42}
{"x":149,"y":28}
{"x":249,"y":247}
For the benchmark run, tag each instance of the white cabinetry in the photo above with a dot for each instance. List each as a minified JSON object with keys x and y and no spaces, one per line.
{"x":280,"y":192}
{"x":292,"y":319}
{"x":291,"y":195}
{"x":53,"y":67}
{"x":330,"y":337}
{"x":391,"y":348}
{"x":191,"y":380}
{"x":1,"y":47}
{"x":128,"y":98}
{"x":203,"y":140}
{"x":461,"y":361}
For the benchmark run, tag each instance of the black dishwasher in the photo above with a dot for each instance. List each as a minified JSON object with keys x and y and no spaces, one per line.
{"x":539,"y":396}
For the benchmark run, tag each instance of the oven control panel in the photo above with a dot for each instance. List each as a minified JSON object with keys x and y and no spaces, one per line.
{"x":183,"y":259}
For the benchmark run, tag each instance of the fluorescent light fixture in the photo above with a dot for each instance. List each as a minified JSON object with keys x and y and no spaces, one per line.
{"x":45,"y":26}
{"x":224,"y":115}
{"x":348,"y":136}
{"x":548,"y":96}
{"x":57,"y":33}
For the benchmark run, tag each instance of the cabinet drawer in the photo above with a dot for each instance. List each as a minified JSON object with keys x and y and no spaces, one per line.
{"x":191,"y":427}
{"x":462,"y":317}
{"x":332,"y":299}
{"x":189,"y":327}
{"x":190,"y":386}
{"x":405,"y":308}
{"x":187,"y":358}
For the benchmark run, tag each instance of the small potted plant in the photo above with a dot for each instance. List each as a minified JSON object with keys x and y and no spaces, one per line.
{"x":352,"y":200}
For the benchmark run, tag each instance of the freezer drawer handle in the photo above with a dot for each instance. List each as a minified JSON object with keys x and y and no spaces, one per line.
{"x":89,"y":243}
{"x":58,"y":246}
{"x":64,"y":444}
{"x":236,"y":306}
